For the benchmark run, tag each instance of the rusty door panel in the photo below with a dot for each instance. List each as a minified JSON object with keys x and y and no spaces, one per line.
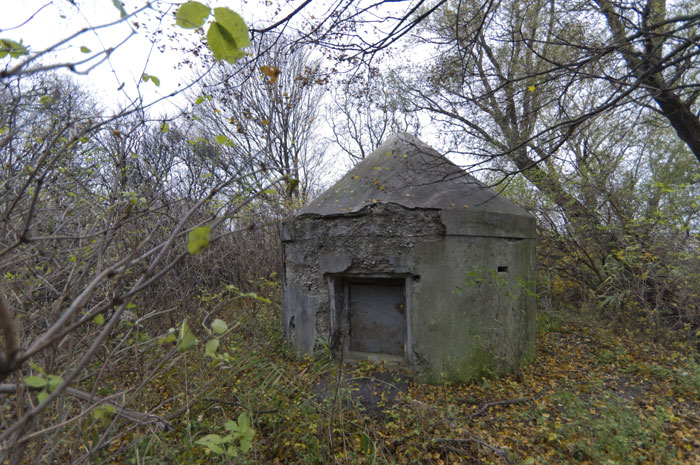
{"x":377,"y":317}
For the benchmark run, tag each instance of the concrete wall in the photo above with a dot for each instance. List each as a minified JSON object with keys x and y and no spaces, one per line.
{"x":466,"y":318}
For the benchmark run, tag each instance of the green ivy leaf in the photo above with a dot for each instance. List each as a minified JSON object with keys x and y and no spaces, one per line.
{"x":234,"y":24}
{"x":211,"y":347}
{"x":14,"y":49}
{"x":35,"y":381}
{"x":222,"y":44}
{"x":99,"y":319}
{"x":119,"y":6}
{"x":219,"y":326}
{"x":198,"y":239}
{"x":192,"y":15}
{"x":164,"y":127}
{"x":221,"y":139}
{"x":84,"y":49}
{"x":187,"y":338}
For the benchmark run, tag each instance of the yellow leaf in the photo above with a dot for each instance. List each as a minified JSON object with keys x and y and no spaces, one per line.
{"x":531,"y":88}
{"x":272,"y":72}
{"x":265,"y":122}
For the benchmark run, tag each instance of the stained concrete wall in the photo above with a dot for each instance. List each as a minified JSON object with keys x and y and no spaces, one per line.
{"x":466,"y":318}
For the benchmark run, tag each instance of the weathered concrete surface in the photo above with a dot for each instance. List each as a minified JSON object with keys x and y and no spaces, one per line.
{"x":470,"y":320}
{"x":299,"y":317}
{"x":465,"y":317}
{"x":405,"y":171}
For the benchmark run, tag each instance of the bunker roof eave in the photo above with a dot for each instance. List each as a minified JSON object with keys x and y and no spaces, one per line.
{"x":407,"y":172}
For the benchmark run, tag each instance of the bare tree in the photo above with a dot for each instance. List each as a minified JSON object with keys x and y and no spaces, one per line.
{"x":89,"y":222}
{"x":637,"y":53}
{"x":267,"y":116}
{"x":364,"y":112}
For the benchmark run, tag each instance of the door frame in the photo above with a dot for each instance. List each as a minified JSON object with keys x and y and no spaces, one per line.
{"x":338,"y":293}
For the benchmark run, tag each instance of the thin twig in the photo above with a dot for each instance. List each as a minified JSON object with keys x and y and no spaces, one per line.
{"x":239,"y":404}
{"x":498,"y":403}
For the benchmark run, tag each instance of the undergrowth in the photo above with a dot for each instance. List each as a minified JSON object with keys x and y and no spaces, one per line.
{"x":590,"y":397}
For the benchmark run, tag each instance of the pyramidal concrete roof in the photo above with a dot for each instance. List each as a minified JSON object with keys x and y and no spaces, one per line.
{"x":407,"y":172}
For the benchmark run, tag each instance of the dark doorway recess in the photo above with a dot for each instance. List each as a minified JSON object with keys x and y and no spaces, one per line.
{"x":377,"y":314}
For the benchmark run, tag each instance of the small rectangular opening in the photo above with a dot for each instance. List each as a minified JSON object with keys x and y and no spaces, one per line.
{"x":503,"y":269}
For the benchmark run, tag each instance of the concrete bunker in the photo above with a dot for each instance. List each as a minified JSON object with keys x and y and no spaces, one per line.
{"x":408,"y":258}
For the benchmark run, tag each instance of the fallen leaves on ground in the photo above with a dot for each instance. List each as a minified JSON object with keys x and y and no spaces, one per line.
{"x":590,"y":397}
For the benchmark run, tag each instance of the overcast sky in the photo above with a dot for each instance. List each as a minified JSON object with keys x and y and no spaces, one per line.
{"x":40,"y":24}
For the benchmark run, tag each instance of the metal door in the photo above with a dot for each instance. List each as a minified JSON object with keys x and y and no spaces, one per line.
{"x":377,"y":316}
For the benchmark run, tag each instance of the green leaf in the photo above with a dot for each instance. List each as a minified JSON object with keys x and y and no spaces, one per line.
{"x":164,"y":127}
{"x":245,"y":445}
{"x":14,"y":49}
{"x":243,"y":421}
{"x":84,"y":49}
{"x":199,"y":100}
{"x":256,"y":297}
{"x":149,"y":77}
{"x":119,"y":6}
{"x":222,"y":44}
{"x":42,"y":396}
{"x":191,"y":15}
{"x":54,"y":382}
{"x":104,"y":413}
{"x":366,"y":444}
{"x":211,"y":346}
{"x":234,"y":24}
{"x":231,"y":426}
{"x":221,"y":139}
{"x":37,"y":368}
{"x":99,"y":319}
{"x":211,"y":442}
{"x":35,"y":381}
{"x":219,"y":326}
{"x":291,"y":185}
{"x":198,"y":239}
{"x":169,"y":338}
{"x":187,"y":338}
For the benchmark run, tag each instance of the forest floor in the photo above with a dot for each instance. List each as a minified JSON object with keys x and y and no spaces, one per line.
{"x":590,"y":397}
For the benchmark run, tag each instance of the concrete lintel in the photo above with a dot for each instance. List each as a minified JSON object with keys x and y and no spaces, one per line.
{"x":335,"y":263}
